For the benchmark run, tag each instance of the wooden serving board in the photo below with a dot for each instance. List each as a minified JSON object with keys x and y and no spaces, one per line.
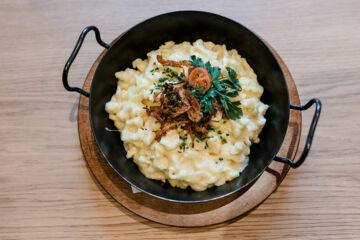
{"x":184,"y":214}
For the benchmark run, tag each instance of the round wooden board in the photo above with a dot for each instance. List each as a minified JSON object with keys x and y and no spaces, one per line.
{"x":182,"y":214}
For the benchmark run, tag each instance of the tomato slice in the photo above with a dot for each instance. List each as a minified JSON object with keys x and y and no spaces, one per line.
{"x":200,"y":77}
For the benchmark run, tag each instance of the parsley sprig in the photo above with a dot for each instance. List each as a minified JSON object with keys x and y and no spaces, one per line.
{"x":198,"y":62}
{"x":222,"y":89}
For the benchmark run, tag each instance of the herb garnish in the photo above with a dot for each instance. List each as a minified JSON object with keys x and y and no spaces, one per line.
{"x":194,"y":90}
{"x":189,"y":101}
{"x":214,"y":71}
{"x":210,"y":128}
{"x":201,"y":138}
{"x":171,"y":74}
{"x":222,"y":89}
{"x":182,"y":144}
{"x":160,"y":85}
{"x":223,"y":140}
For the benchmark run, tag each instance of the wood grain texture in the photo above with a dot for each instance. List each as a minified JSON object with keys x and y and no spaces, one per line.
{"x":46,"y":191}
{"x":182,"y":214}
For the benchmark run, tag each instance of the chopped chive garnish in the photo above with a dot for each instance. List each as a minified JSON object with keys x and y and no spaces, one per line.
{"x":223,"y":140}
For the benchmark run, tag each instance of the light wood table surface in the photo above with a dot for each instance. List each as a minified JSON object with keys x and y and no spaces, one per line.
{"x":46,"y":190}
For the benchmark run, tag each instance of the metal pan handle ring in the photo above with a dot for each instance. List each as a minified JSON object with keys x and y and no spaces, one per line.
{"x":73,"y":56}
{"x":310,"y":134}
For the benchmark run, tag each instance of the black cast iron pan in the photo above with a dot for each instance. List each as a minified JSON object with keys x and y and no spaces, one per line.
{"x":190,"y":26}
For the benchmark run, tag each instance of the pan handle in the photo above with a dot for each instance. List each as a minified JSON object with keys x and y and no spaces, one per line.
{"x":73,"y":56}
{"x":310,"y":134}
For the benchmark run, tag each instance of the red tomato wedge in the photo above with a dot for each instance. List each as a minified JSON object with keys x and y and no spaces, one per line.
{"x":200,"y":77}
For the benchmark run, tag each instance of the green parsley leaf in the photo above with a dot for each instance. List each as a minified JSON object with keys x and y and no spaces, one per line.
{"x":198,"y":62}
{"x":219,"y":86}
{"x":231,"y":110}
{"x":232,"y":75}
{"x":236,"y":103}
{"x":211,"y":93}
{"x":206,"y":103}
{"x":214,"y":71}
{"x":232,"y":93}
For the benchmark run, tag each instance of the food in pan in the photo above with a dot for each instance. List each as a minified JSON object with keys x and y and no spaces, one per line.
{"x":189,"y":113}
